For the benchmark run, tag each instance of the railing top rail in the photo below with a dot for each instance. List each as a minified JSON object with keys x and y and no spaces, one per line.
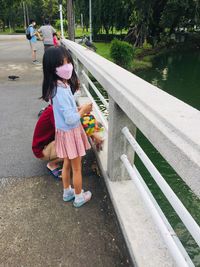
{"x":101,"y":97}
{"x":172,"y":126}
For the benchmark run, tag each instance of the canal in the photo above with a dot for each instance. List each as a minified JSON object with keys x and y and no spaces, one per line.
{"x":178,"y":74}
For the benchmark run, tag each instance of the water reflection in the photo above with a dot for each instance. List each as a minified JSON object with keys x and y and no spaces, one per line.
{"x":164,"y":74}
{"x":178,"y":74}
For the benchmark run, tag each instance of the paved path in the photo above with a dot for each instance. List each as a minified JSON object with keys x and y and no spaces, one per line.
{"x":36,"y":227}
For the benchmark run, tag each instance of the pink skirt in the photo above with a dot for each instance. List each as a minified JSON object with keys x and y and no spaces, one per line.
{"x":71,"y":144}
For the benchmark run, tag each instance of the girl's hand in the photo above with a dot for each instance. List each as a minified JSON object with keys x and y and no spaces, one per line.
{"x":86,"y":108}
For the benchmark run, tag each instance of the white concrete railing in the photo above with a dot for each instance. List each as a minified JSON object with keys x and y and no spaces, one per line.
{"x":171,"y":126}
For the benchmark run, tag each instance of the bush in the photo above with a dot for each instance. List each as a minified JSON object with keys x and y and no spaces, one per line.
{"x":122,"y":53}
{"x":146,"y":45}
{"x":138,"y":52}
{"x":57,"y":24}
{"x":20,"y":31}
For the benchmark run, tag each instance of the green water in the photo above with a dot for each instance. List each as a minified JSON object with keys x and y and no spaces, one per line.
{"x":179,"y":75}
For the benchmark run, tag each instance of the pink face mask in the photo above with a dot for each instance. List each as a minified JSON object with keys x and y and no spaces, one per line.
{"x":65,"y":71}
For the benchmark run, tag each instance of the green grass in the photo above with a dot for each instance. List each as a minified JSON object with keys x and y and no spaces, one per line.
{"x":103,"y":49}
{"x":79,"y":32}
{"x":141,"y":64}
{"x":7,"y":31}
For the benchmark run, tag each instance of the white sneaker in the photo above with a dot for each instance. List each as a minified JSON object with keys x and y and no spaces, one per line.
{"x":70,"y":196}
{"x":36,"y":62}
{"x":86,"y":196}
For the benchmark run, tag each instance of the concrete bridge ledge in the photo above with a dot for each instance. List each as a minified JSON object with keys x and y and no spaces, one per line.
{"x":144,"y":242}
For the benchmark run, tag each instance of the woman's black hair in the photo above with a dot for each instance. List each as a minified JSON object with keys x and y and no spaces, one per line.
{"x":32,"y":20}
{"x":46,"y":21}
{"x":53,"y":58}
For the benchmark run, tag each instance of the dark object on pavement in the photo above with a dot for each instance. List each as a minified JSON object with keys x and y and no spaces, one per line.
{"x":13,"y":77}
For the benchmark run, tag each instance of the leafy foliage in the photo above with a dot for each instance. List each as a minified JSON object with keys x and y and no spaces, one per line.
{"x":12,"y":14}
{"x":152,"y":20}
{"x":122,"y":53}
{"x":106,"y":14}
{"x":57,"y":24}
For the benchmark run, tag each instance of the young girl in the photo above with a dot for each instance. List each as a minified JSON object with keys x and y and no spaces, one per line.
{"x":59,"y":84}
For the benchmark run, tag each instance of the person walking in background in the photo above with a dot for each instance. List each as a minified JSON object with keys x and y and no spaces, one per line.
{"x":71,"y":143}
{"x":31,"y":31}
{"x":47,"y":32}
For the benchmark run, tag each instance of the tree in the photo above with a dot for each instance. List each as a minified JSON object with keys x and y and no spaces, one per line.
{"x":153,"y":18}
{"x":178,"y":14}
{"x":105,"y":14}
{"x":146,"y":20}
{"x":70,"y":19}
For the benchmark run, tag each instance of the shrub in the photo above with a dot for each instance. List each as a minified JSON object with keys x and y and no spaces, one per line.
{"x":146,"y":45}
{"x":122,"y":53}
{"x":57,"y":24}
{"x":20,"y":31}
{"x":138,"y":51}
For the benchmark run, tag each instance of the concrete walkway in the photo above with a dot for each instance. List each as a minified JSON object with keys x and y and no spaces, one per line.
{"x":36,"y":227}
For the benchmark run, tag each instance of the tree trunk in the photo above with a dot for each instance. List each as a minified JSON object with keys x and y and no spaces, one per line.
{"x":70,"y":19}
{"x":3,"y":25}
{"x":106,"y":29}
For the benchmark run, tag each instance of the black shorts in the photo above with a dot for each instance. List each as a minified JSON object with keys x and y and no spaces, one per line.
{"x":47,"y":46}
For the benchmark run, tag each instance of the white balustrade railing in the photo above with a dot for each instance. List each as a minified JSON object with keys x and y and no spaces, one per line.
{"x":167,"y":235}
{"x":178,"y":206}
{"x":101,"y":97}
{"x":96,"y":108}
{"x":169,"y":124}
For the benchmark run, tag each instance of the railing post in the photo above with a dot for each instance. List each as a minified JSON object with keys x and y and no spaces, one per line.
{"x":80,"y":68}
{"x":117,"y":143}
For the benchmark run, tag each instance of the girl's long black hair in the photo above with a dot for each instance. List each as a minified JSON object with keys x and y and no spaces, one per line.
{"x":53,"y":58}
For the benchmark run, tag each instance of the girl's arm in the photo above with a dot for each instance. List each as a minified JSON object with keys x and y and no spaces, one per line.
{"x":70,"y":112}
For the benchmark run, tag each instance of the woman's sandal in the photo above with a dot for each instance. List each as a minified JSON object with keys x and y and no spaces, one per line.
{"x":56,"y":173}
